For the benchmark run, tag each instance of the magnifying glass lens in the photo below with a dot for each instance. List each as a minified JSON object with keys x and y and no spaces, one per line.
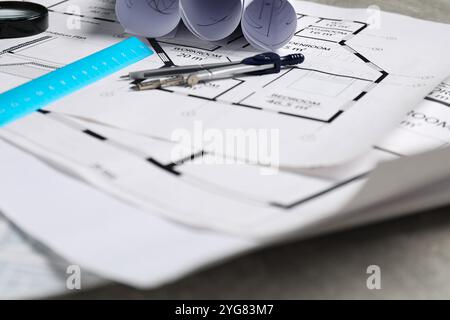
{"x":22,"y":19}
{"x":14,"y":13}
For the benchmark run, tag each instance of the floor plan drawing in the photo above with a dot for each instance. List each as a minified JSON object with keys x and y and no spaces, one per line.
{"x":320,"y":38}
{"x":335,"y":80}
{"x":366,"y":97}
{"x":342,"y":80}
{"x":304,"y":96}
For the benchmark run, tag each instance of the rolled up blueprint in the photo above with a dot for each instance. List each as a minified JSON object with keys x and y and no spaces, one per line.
{"x":150,"y":18}
{"x":266,"y":24}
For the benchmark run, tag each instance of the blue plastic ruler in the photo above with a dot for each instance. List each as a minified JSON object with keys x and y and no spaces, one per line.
{"x":38,"y":93}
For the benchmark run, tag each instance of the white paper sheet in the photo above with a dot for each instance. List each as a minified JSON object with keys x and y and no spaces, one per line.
{"x":233,"y":199}
{"x":426,"y":128}
{"x":123,"y":270}
{"x":184,"y":192}
{"x":203,"y":192}
{"x":153,"y":254}
{"x":88,"y":251}
{"x":422,"y":200}
{"x":173,"y":186}
{"x":29,"y":270}
{"x":356,"y":84}
{"x":100,"y":234}
{"x":267,"y":25}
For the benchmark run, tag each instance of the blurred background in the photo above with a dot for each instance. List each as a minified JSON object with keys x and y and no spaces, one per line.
{"x":437,"y":10}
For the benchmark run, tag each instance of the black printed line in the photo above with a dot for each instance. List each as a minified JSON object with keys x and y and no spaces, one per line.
{"x":359,"y":55}
{"x":360,"y":29}
{"x":190,"y":158}
{"x":383,"y":76}
{"x":161,"y":53}
{"x":389,"y":151}
{"x":438,"y":101}
{"x":164,"y":167}
{"x":360,"y":96}
{"x":95,"y":135}
{"x":333,"y":74}
{"x":319,"y":194}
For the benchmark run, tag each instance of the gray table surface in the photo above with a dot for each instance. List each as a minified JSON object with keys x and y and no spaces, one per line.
{"x":413,"y":253}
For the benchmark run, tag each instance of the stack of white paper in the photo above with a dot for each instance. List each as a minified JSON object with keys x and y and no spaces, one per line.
{"x":156,"y":181}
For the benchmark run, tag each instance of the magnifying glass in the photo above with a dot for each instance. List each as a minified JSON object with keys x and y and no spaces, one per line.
{"x":22,"y":19}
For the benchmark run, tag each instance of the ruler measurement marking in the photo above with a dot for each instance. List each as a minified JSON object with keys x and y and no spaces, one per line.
{"x":38,"y":93}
